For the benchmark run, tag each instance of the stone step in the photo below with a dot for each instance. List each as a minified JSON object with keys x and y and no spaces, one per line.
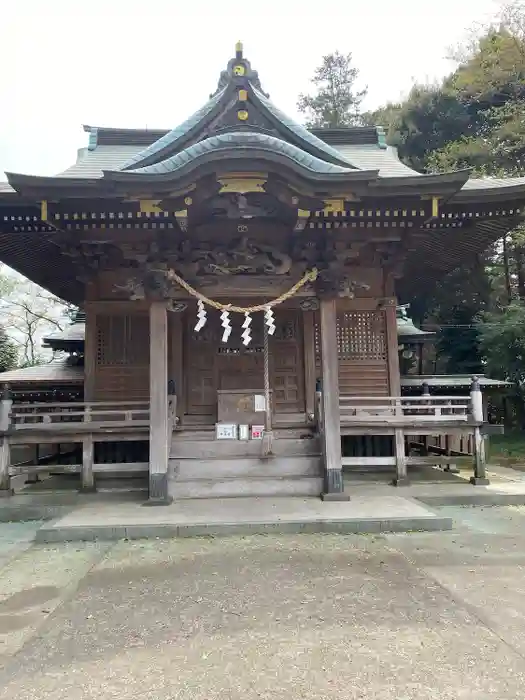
{"x":220,"y":449}
{"x":243,"y":467}
{"x":231,"y":488}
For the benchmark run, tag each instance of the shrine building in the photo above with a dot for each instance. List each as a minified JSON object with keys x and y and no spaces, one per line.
{"x":239,"y":276}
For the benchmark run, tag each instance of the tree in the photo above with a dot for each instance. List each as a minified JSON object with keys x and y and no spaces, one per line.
{"x":8,"y":352}
{"x":28,"y":313}
{"x":428,"y":120}
{"x":336,"y":102}
{"x":502,"y":343}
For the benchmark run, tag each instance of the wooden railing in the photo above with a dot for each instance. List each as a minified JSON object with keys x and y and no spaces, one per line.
{"x":100,"y":413}
{"x":405,"y":409}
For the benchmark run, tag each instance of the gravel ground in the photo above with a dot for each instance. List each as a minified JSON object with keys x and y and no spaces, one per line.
{"x":435,"y":615}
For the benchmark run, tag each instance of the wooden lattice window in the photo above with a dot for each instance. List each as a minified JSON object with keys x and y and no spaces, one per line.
{"x":361,"y":335}
{"x":122,"y":340}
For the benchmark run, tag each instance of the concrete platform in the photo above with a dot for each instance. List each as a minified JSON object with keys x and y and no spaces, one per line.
{"x":365,"y":513}
{"x":375,"y":506}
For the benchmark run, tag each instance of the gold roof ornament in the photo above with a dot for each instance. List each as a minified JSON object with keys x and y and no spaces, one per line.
{"x":238,"y":49}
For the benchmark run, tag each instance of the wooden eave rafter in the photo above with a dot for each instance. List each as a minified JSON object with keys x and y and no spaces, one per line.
{"x":359,"y":184}
{"x":436,"y":252}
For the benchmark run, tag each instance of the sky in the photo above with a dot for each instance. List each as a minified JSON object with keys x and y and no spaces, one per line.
{"x":151,"y":63}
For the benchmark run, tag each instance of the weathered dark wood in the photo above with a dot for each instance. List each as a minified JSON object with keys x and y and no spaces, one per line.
{"x":401,"y":459}
{"x":176,"y":363}
{"x":480,"y":471}
{"x":394,"y":378}
{"x":331,"y":433}
{"x":5,"y":459}
{"x":159,"y":423}
{"x":87,"y":477}
{"x":90,"y":352}
{"x":309,"y":361}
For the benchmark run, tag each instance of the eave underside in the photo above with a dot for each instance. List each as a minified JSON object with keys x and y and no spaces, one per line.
{"x":35,"y":256}
{"x":436,"y":252}
{"x":433,"y":253}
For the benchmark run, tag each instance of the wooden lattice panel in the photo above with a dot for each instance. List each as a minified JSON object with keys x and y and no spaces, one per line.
{"x":362,"y":350}
{"x":122,"y":357}
{"x":287,"y":363}
{"x":361,"y":335}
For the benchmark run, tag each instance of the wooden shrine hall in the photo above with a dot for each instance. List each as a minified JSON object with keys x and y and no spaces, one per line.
{"x":239,"y":276}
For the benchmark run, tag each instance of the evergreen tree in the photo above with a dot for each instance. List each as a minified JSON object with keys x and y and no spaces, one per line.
{"x":8,"y":352}
{"x":336,"y":102}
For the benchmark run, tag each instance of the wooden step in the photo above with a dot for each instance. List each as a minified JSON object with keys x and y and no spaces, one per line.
{"x":243,"y":467}
{"x":235,"y":487}
{"x":220,"y":449}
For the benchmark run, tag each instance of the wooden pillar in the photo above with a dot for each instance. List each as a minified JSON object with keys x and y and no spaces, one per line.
{"x":90,"y":352}
{"x":159,"y":437}
{"x":5,"y":448}
{"x":394,"y":376}
{"x":476,"y":401}
{"x":401,"y":459}
{"x":309,"y":362}
{"x":331,"y":433}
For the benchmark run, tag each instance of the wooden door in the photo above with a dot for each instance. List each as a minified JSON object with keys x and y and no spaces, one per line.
{"x":211,"y":365}
{"x":287,"y":362}
{"x":199,"y":368}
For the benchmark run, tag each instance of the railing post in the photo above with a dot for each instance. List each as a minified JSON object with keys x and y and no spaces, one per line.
{"x":449,"y":466}
{"x":424,"y":440}
{"x":401,"y":459}
{"x":476,"y":404}
{"x":87,"y":477}
{"x":5,"y":448}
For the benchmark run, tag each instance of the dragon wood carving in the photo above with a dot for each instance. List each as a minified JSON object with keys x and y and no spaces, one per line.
{"x":244,"y":256}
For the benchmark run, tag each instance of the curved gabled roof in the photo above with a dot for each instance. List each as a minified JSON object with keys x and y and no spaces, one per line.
{"x":167,"y":144}
{"x":246,"y":144}
{"x":299,"y":134}
{"x":198,"y":126}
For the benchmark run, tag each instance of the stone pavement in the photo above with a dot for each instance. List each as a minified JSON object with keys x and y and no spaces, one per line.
{"x":374,"y":507}
{"x":388,"y":617}
{"x":387,"y":511}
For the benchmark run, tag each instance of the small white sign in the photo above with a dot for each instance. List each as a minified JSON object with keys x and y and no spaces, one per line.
{"x":226,"y":431}
{"x":259,"y":404}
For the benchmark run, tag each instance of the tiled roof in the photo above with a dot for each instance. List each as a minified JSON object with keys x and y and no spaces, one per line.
{"x":57,"y":372}
{"x":71,"y":334}
{"x":484,"y":183}
{"x":300,"y":132}
{"x":371,"y":157}
{"x":170,"y":140}
{"x":90,"y":164}
{"x":245,"y":140}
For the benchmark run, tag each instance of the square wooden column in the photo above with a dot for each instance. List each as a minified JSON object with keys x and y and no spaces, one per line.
{"x":159,"y":434}
{"x":331,"y":432}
